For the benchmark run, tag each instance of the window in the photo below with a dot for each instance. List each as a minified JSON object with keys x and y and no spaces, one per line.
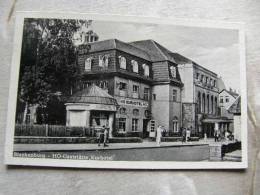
{"x":221,"y":99}
{"x":134,"y":66}
{"x":146,"y":70}
{"x":173,"y":71}
{"x":207,"y":80}
{"x":88,"y":64}
{"x":227,"y":99}
{"x":103,"y":85}
{"x":122,"y":86}
{"x":211,"y":83}
{"x":122,"y":62}
{"x":201,"y":78}
{"x":122,"y":110}
{"x":174,"y":95}
{"x":134,"y":124}
{"x":154,"y":96}
{"x":103,"y":61}
{"x":175,"y":124}
{"x":152,"y":126}
{"x":146,"y":93}
{"x":214,"y":84}
{"x":147,"y":113}
{"x":135,"y":112}
{"x":198,"y":75}
{"x":135,"y":91}
{"x":122,"y":124}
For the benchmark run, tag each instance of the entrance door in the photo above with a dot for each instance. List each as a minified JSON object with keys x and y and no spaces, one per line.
{"x":145,"y":128}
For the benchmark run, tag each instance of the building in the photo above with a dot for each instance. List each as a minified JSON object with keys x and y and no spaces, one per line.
{"x":235,"y":109}
{"x":227,"y":98}
{"x":147,"y":85}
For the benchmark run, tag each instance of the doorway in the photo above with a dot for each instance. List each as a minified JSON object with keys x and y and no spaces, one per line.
{"x":145,"y":128}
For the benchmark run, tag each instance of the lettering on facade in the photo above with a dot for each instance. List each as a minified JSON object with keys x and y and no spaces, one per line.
{"x":133,"y":103}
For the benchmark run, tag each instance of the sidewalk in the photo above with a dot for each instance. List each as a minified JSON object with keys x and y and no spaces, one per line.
{"x":73,"y":147}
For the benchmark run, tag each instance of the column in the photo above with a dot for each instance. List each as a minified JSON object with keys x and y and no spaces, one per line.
{"x":110,"y":123}
{"x":67,"y":117}
{"x":87,"y":118}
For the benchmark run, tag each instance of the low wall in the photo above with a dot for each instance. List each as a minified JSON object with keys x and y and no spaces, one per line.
{"x":71,"y":140}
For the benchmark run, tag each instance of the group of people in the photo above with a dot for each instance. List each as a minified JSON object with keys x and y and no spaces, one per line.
{"x":226,"y":136}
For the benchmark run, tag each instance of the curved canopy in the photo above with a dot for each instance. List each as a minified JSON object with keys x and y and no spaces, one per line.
{"x":93,"y":95}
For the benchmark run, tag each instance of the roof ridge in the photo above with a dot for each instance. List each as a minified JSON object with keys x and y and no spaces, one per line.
{"x":158,"y":49}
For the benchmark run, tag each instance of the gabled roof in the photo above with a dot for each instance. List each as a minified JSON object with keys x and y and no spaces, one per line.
{"x":232,"y":93}
{"x":156,"y":51}
{"x":235,"y":108}
{"x":119,"y":45}
{"x":94,"y":95}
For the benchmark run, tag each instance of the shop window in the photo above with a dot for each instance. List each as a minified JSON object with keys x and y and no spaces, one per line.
{"x":134,"y":124}
{"x":103,"y":61}
{"x":135,"y":112}
{"x":122,"y":124}
{"x":146,"y":70}
{"x":122,"y":62}
{"x":122,"y":110}
{"x":135,"y":91}
{"x":134,"y":66}
{"x":173,"y":71}
{"x":174,"y":95}
{"x":88,"y":64}
{"x":146,"y":94}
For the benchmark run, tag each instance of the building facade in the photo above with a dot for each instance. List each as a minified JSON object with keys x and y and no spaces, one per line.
{"x":151,"y":86}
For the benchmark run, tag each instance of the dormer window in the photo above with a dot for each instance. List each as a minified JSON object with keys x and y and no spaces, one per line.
{"x":173,"y":71}
{"x":88,"y":64}
{"x":146,"y":70}
{"x":122,"y":62}
{"x":135,"y":66}
{"x":103,"y":61}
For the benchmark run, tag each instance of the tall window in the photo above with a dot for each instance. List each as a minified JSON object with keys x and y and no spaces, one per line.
{"x":154,"y":96}
{"x":199,"y":103}
{"x":174,"y":95}
{"x":175,"y":125}
{"x":122,"y":110}
{"x":146,"y":93}
{"x":227,"y":99}
{"x":122,"y":62}
{"x":173,"y":71}
{"x":122,"y":86}
{"x":122,"y":124}
{"x":103,"y":61}
{"x":88,"y":64}
{"x":134,"y":66}
{"x":198,"y":75}
{"x":134,"y":124}
{"x":221,"y":99}
{"x":135,"y":91}
{"x":202,"y":78}
{"x":146,"y":70}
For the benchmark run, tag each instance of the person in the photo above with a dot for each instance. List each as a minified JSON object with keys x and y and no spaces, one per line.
{"x":216,"y":135}
{"x":100,"y":135}
{"x":183,"y":135}
{"x":188,"y":135}
{"x":158,"y":135}
{"x":105,"y":136}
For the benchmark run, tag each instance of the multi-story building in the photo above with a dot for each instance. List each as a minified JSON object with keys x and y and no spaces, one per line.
{"x":143,"y":85}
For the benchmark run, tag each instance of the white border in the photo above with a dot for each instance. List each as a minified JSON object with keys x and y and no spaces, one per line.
{"x":10,"y":160}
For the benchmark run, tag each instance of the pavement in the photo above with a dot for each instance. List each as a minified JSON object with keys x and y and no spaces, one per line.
{"x":71,"y":147}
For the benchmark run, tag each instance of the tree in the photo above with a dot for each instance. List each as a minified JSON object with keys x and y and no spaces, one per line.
{"x":48,"y":60}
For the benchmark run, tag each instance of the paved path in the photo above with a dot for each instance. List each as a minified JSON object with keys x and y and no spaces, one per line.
{"x":49,"y":147}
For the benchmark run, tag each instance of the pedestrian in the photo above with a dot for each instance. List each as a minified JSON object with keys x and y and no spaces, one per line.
{"x":100,"y":135}
{"x":188,"y":134}
{"x":183,"y":135}
{"x":105,"y":136}
{"x":158,"y":135}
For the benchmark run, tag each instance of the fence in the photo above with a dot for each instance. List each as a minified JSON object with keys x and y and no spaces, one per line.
{"x":53,"y":131}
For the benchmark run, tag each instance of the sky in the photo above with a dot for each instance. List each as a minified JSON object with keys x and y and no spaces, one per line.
{"x":213,"y":48}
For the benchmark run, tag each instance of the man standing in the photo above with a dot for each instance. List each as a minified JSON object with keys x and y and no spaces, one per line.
{"x":158,"y":135}
{"x":105,"y":136}
{"x":183,"y":135}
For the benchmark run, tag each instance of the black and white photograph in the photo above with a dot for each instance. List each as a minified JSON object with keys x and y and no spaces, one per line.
{"x":127,"y":92}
